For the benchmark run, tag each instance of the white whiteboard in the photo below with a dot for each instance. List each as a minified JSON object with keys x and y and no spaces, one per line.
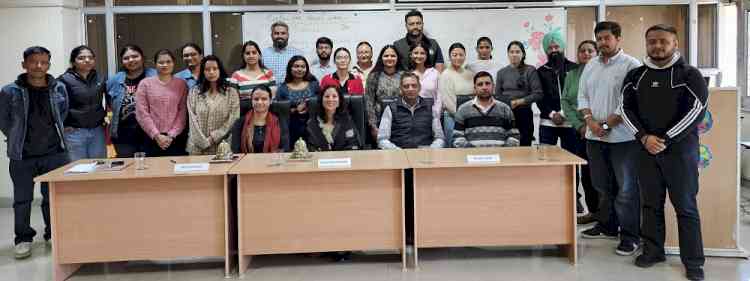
{"x":384,"y":27}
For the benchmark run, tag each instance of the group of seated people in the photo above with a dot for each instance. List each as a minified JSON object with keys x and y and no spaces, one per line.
{"x":407,"y":121}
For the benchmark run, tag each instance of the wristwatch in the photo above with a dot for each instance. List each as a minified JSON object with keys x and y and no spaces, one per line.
{"x":605,"y":126}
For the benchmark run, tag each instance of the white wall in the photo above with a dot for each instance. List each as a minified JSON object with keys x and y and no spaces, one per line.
{"x":728,"y":45}
{"x":55,"y":25}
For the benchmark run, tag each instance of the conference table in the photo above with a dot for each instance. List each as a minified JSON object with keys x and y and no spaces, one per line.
{"x":334,"y":201}
{"x":139,"y":214}
{"x":494,"y":197}
{"x":320,"y":205}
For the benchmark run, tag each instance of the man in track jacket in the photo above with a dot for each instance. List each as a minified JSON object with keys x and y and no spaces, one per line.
{"x":663,"y":102}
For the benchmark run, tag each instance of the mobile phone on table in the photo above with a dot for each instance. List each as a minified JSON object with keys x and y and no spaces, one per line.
{"x":116,"y":163}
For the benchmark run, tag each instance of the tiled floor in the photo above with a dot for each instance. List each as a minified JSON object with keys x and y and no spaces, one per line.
{"x":597,"y":262}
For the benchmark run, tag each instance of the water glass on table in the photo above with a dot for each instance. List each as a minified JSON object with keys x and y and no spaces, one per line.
{"x":140,"y":160}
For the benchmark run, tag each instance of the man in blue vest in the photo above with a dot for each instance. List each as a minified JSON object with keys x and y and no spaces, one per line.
{"x":408,"y":121}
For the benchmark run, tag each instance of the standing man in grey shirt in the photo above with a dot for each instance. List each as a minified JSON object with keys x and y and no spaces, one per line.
{"x":415,"y":34}
{"x":610,"y":145}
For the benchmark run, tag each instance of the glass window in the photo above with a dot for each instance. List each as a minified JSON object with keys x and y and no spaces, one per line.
{"x":707,"y":38}
{"x":96,"y":39}
{"x":94,"y":3}
{"x":227,"y":39}
{"x":254,"y":2}
{"x":581,"y":22}
{"x":156,"y":2}
{"x":174,"y":31}
{"x":635,"y":20}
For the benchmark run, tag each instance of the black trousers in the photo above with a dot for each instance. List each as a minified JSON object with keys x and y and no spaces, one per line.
{"x":584,"y":173}
{"x":130,"y":141}
{"x":177,"y":148}
{"x":674,"y":171}
{"x":22,"y":172}
{"x":525,"y":124}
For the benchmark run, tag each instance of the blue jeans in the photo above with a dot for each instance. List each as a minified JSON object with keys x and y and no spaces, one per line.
{"x":619,"y":199}
{"x":448,"y":124}
{"x":86,"y":143}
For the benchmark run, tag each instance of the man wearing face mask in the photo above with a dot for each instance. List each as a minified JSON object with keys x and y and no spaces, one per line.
{"x":663,"y":102}
{"x":552,"y":120}
{"x":415,"y":34}
{"x":323,"y":66}
{"x":277,"y":57}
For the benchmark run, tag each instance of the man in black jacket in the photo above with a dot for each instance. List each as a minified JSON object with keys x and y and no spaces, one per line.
{"x":552,"y":120}
{"x":663,"y":102}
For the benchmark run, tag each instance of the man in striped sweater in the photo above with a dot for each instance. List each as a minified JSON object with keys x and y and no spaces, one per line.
{"x":663,"y":102}
{"x":484,"y":121}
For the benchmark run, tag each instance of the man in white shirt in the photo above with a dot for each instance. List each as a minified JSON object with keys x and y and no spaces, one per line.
{"x":610,"y":145}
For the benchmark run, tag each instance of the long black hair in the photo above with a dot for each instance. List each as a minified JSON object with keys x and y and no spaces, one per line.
{"x":289,"y":77}
{"x":342,"y":109}
{"x":221,"y":84}
{"x":242,"y":54}
{"x":428,"y":60}
{"x":163,"y":52}
{"x":77,"y":51}
{"x":523,"y":51}
{"x":134,"y":48}
{"x":379,"y":66}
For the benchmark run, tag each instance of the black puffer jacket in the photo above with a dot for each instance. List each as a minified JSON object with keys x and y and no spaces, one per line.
{"x":345,"y":136}
{"x":86,"y":97}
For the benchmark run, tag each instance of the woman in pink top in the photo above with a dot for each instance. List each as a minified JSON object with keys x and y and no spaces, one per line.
{"x":161,"y":108}
{"x":420,"y":64}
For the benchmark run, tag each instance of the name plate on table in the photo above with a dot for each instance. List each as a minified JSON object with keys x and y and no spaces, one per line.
{"x":191,"y":168}
{"x":483,"y":159}
{"x":334,"y":163}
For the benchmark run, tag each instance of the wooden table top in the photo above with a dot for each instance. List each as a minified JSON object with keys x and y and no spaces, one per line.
{"x":265,"y":163}
{"x":157,"y":167}
{"x":509,"y":156}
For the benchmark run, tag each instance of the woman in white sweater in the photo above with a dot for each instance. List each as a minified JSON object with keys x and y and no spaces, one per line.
{"x":455,"y":80}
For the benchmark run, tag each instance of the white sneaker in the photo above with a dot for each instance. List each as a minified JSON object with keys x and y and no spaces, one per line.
{"x":23,"y":250}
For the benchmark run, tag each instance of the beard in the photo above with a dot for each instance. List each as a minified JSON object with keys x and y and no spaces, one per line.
{"x":666,"y":56}
{"x":484,"y":97}
{"x":556,"y":59}
{"x":324,"y":57}
{"x":280,"y":43}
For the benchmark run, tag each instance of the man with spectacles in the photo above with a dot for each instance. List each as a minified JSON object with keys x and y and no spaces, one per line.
{"x":192,"y":55}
